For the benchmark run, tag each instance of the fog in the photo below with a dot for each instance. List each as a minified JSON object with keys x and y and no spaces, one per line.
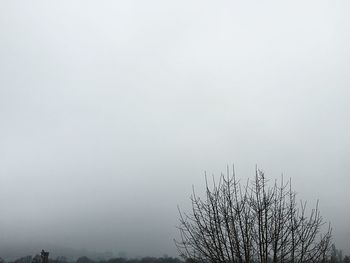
{"x":111,"y":110}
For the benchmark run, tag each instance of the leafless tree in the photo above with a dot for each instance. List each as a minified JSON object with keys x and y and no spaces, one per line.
{"x":252,"y":222}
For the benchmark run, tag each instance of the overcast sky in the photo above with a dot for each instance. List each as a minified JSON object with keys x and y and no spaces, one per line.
{"x":111,"y":110}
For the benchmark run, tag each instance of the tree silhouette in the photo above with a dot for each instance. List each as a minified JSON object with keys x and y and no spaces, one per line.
{"x":253,"y":222}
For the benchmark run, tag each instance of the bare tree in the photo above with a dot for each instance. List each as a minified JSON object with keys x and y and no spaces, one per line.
{"x":252,"y":222}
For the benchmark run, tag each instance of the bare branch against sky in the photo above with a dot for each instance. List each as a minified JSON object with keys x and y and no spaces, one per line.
{"x":111,"y":110}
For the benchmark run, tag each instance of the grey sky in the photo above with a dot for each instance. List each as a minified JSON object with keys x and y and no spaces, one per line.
{"x":111,"y":110}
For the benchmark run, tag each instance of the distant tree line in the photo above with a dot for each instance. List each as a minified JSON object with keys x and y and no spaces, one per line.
{"x":84,"y":259}
{"x":336,"y":257}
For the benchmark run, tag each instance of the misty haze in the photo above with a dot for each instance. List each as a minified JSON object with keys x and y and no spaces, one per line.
{"x":113,"y":112}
